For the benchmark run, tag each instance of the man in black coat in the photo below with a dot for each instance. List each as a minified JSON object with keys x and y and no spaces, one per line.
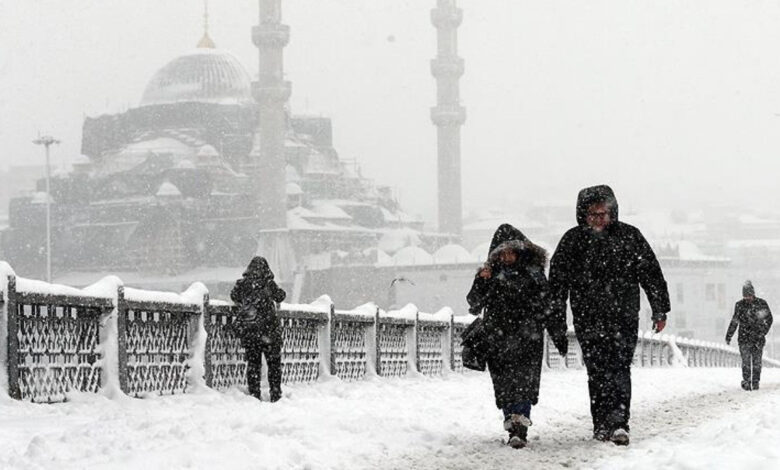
{"x":753,"y":317}
{"x":256,"y":295}
{"x":599,"y":266}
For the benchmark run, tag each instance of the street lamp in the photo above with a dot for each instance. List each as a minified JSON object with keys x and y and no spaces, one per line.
{"x":46,"y":141}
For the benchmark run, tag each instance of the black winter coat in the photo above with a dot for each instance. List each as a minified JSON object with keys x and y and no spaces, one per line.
{"x":753,"y":319}
{"x":514,"y":300}
{"x":258,"y":290}
{"x":600,"y":273}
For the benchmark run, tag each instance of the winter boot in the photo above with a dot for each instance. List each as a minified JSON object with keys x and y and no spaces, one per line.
{"x":276,"y":395}
{"x":619,"y":437}
{"x":517,"y":426}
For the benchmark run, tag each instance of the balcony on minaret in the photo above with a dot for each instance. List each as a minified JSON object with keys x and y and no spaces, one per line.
{"x":271,"y":35}
{"x":447,"y":67}
{"x":448,"y":115}
{"x":278,"y":92}
{"x":446,"y":17}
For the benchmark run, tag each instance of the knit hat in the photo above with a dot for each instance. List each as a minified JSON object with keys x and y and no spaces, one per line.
{"x":747,"y":289}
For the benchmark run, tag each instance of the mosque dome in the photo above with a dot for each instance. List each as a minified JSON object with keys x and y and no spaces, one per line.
{"x":206,"y":75}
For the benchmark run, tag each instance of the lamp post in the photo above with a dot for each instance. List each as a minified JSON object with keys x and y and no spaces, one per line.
{"x":46,"y":141}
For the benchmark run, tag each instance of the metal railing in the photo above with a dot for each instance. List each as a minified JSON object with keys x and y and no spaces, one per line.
{"x":58,"y":340}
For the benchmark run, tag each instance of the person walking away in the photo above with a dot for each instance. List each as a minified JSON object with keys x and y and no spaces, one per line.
{"x":511,"y":288}
{"x":599,"y":266}
{"x":257,"y":295}
{"x":753,"y":318}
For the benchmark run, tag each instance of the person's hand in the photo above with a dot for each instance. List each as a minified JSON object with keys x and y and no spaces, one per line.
{"x":659,"y":325}
{"x":728,"y":340}
{"x":485,"y":272}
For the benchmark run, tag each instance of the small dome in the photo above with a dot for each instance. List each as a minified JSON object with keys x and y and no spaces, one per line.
{"x":205,"y":76}
{"x":208,"y":151}
{"x":168,"y":189}
{"x":412,"y":256}
{"x":293,"y":189}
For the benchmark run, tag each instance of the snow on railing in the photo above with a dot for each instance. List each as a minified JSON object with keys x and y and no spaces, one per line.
{"x":117,"y":339}
{"x":55,"y":340}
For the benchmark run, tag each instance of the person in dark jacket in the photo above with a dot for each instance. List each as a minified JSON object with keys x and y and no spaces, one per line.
{"x":257,"y":295}
{"x":753,"y":318}
{"x":511,"y":288}
{"x":599,"y":266}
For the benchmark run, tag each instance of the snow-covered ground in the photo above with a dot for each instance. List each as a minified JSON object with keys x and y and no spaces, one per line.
{"x":682,"y":418}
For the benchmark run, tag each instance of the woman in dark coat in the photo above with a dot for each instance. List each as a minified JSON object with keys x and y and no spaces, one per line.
{"x":511,"y":288}
{"x":256,"y":295}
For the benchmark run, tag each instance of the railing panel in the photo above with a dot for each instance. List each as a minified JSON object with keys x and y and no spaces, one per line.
{"x":393,"y":349}
{"x":300,"y":349}
{"x":348,"y":346}
{"x":225,"y":355}
{"x":430,"y":352}
{"x":457,"y":347}
{"x":57,"y":350}
{"x":157,"y":350}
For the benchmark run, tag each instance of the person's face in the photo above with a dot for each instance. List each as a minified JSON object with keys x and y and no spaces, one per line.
{"x":597,"y":216}
{"x":507,"y":256}
{"x":748,"y":297}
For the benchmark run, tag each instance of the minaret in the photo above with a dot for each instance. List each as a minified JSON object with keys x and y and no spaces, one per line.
{"x":448,"y":115}
{"x":271,"y":92}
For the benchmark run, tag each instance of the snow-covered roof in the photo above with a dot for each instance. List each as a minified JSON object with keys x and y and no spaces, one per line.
{"x":453,"y":254}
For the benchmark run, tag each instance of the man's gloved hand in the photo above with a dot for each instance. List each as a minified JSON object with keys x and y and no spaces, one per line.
{"x":659,"y":325}
{"x":728,"y":340}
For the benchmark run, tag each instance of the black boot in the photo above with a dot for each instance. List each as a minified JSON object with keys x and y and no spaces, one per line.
{"x":518,"y":433}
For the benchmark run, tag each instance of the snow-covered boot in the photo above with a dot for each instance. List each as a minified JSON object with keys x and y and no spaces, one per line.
{"x":517,"y":426}
{"x":619,"y":437}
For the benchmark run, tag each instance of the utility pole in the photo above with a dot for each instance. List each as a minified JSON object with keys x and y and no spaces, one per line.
{"x":47,"y":141}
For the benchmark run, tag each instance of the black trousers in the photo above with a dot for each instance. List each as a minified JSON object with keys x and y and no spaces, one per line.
{"x":607,"y":358}
{"x":751,"y":353}
{"x":273,"y":358}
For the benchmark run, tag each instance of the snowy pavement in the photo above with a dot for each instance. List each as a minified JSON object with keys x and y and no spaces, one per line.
{"x":682,"y":418}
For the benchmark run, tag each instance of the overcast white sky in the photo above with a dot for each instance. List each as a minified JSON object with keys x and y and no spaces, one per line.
{"x":668,"y":101}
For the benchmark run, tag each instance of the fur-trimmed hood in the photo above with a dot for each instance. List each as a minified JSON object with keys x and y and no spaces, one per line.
{"x":528,"y":253}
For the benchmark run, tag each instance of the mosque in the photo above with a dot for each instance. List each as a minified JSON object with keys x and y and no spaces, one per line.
{"x":211,"y":168}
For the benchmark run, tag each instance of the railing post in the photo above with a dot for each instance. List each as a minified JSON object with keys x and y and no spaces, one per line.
{"x":332,"y":338}
{"x":452,"y":342}
{"x":13,"y":341}
{"x":207,"y":359}
{"x":416,"y":342}
{"x":377,"y":348}
{"x":121,"y":331}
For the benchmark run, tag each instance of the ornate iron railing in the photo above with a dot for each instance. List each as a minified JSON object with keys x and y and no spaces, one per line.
{"x":154,"y":345}
{"x":57,"y":344}
{"x":53,"y":344}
